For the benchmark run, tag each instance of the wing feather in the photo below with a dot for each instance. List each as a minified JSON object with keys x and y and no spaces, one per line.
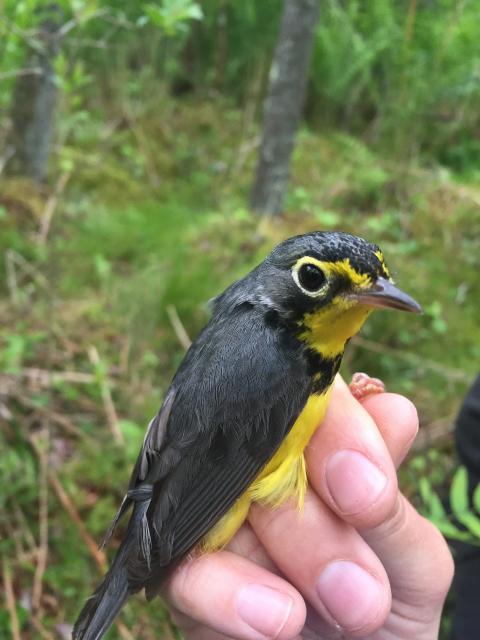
{"x":235,"y":397}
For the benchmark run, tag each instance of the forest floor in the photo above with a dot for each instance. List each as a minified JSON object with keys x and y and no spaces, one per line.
{"x":108,"y":273}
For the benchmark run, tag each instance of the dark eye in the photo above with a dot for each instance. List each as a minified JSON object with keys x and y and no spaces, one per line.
{"x":311,"y":277}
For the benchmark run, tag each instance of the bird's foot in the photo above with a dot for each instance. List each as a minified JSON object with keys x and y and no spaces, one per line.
{"x":362,"y":385}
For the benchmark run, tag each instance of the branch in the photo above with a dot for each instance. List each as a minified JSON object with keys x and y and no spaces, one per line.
{"x":14,"y":259}
{"x":178,"y":327}
{"x":10,"y":601}
{"x":46,"y":378}
{"x":16,"y":73}
{"x":108,"y":404}
{"x":447,"y":372}
{"x":42,"y":555}
{"x":433,"y":433}
{"x":51,"y":206}
{"x":95,"y":552}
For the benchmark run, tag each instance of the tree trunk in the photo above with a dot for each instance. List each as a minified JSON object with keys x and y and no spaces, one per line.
{"x":284,"y":103}
{"x":34,"y":101}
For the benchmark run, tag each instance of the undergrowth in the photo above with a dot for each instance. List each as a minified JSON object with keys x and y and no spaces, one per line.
{"x":141,"y":239}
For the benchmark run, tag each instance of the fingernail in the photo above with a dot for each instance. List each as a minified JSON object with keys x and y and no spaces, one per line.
{"x":353,"y":481}
{"x":350,"y":594}
{"x":264,"y":609}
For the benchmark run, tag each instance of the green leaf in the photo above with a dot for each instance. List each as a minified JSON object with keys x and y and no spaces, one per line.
{"x":476,"y":498}
{"x":172,"y":15}
{"x":460,"y":503}
{"x":431,"y":500}
{"x":14,"y":352}
{"x":449,"y":530}
{"x":471,"y":522}
{"x":195,"y":12}
{"x":459,"y":493}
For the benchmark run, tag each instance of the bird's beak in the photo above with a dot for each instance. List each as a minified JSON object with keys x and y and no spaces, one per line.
{"x":386,"y":295}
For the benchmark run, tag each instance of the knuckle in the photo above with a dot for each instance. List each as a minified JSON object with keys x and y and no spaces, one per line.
{"x":393,"y":520}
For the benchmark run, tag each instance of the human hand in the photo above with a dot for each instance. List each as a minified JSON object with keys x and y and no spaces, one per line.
{"x":359,"y":561}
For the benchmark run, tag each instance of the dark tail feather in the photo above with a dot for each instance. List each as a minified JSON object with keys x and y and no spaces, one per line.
{"x":103,"y":606}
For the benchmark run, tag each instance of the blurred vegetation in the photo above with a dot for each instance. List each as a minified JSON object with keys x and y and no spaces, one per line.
{"x":143,"y":219}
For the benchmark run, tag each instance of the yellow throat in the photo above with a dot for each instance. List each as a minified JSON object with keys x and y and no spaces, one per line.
{"x":325,"y":332}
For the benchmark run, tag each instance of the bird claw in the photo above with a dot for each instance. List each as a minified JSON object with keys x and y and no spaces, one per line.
{"x":362,"y":385}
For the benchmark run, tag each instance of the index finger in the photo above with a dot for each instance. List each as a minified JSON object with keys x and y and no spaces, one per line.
{"x":233,"y":596}
{"x":349,"y":464}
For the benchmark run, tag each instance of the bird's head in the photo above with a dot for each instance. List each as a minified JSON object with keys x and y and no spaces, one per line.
{"x":328,"y":283}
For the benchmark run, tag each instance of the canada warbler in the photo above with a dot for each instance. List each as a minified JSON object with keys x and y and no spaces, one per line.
{"x":246,"y":399}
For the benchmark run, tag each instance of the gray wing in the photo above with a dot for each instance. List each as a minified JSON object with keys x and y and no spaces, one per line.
{"x":233,"y":400}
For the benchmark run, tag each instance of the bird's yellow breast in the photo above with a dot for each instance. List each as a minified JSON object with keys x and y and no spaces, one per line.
{"x":325,"y":332}
{"x":282,"y":478}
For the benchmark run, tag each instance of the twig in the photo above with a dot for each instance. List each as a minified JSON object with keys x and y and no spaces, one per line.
{"x":66,"y":28}
{"x":5,"y":413}
{"x":12,"y":282}
{"x":447,"y":372}
{"x":124,"y":356}
{"x":46,"y":378}
{"x":108,"y":404}
{"x":26,"y":35}
{"x":73,"y":22}
{"x":178,"y":327}
{"x":42,"y":555}
{"x":14,"y":259}
{"x":15,"y":536}
{"x":65,"y":423}
{"x":95,"y":552}
{"x":10,"y":601}
{"x":15,"y":73}
{"x":51,"y":206}
{"x":433,"y":433}
{"x":57,"y":418}
{"x":245,"y":149}
{"x":124,"y":632}
{"x":25,"y":527}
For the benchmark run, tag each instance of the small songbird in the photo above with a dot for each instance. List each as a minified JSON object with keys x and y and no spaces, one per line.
{"x":241,"y":409}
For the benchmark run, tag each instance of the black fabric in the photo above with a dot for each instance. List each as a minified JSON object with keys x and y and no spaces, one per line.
{"x":467,"y":432}
{"x":466,"y":587}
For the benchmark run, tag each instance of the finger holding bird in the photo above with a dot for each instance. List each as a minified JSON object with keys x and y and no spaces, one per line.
{"x":303,"y":543}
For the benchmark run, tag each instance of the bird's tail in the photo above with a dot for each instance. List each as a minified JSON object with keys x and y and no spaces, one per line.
{"x":103,"y":606}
